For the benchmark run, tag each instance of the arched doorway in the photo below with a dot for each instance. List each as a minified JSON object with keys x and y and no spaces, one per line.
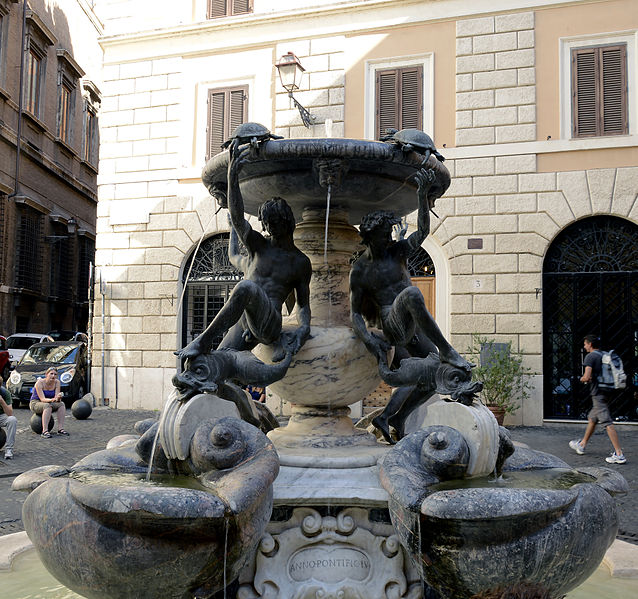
{"x":210,"y":281}
{"x":590,"y":285}
{"x":423,"y":275}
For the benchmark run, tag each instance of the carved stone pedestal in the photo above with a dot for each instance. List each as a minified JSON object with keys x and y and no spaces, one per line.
{"x":329,"y":552}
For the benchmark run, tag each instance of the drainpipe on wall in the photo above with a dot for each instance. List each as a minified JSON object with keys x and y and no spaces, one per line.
{"x":16,"y":185}
{"x":89,"y":330}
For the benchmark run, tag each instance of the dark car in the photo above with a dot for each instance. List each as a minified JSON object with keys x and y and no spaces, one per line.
{"x":69,"y":358}
{"x":64,"y":335}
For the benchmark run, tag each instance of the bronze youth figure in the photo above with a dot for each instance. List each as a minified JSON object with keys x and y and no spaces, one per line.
{"x":273,"y":268}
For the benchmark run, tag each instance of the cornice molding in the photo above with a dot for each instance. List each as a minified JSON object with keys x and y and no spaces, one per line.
{"x":341,"y":18}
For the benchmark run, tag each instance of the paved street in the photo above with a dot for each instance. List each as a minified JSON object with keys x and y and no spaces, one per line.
{"x":92,"y":434}
{"x":31,"y":450}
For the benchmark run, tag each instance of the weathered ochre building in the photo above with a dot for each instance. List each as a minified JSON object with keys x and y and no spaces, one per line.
{"x":48,"y":189}
{"x":534,"y":105}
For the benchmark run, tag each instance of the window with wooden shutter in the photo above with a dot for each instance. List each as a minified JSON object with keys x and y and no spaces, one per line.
{"x":226,"y":8}
{"x":226,"y":110}
{"x":599,"y":91}
{"x":399,"y":99}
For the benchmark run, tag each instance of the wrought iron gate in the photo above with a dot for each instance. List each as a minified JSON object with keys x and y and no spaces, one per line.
{"x":590,"y":285}
{"x":210,"y":281}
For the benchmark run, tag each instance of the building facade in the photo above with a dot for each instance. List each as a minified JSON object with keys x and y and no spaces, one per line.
{"x":48,"y":162}
{"x":533,"y":104}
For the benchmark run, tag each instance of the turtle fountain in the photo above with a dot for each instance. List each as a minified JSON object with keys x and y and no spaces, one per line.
{"x":238,"y":506}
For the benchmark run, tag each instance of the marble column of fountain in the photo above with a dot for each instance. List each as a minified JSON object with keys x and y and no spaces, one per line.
{"x":321,"y":508}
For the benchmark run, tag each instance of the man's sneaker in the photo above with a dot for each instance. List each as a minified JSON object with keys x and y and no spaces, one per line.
{"x":614,"y":458}
{"x":577,"y":447}
{"x":8,"y":455}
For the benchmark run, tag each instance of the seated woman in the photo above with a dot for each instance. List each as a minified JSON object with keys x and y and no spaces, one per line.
{"x":46,"y":397}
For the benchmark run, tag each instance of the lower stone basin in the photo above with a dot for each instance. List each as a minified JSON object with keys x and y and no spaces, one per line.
{"x":468,"y":536}
{"x":119,"y":537}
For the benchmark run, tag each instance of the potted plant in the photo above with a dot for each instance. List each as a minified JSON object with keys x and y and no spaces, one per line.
{"x":505,"y":379}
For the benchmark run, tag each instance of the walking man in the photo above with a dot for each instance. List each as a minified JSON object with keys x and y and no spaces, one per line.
{"x":7,"y":420}
{"x":600,"y":410}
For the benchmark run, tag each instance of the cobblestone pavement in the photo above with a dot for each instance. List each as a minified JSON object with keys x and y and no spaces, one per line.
{"x":555,"y":438}
{"x":31,"y":450}
{"x":93,"y":434}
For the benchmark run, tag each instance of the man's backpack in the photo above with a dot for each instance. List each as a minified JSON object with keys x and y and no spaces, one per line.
{"x":612,"y":376}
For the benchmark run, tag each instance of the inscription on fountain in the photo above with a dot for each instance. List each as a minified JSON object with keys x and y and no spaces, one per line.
{"x":329,"y":564}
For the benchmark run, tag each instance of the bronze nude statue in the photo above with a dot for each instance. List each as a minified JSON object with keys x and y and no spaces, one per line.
{"x":382,"y":295}
{"x":273,"y":268}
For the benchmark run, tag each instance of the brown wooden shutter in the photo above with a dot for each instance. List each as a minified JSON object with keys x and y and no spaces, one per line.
{"x":241,"y":6}
{"x":387,"y":101}
{"x":399,"y":99}
{"x":216,"y":118}
{"x":217,"y":8}
{"x":226,"y":110}
{"x":614,"y":90}
{"x":237,"y":105}
{"x":224,"y":8}
{"x":599,"y":91}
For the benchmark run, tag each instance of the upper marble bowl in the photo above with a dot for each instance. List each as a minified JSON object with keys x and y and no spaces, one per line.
{"x":363,"y":175}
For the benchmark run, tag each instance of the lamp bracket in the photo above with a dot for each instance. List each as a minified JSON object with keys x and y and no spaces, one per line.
{"x":306,"y":118}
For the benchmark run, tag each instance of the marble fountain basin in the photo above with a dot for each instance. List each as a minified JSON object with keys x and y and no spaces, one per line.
{"x":363,"y":175}
{"x":468,"y":536}
{"x":105,"y":538}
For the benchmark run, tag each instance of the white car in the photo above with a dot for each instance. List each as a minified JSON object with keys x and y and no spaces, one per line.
{"x":19,"y":343}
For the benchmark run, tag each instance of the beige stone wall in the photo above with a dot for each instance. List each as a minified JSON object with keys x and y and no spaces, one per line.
{"x":512,"y":188}
{"x":495,"y":80}
{"x":322,"y":89}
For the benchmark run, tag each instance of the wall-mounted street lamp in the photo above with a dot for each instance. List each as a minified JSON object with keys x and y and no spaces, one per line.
{"x":290,"y":73}
{"x":71,"y":228}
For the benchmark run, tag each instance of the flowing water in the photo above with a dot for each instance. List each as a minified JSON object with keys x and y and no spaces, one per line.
{"x":325,"y":233}
{"x":225,"y":553}
{"x":154,"y":448}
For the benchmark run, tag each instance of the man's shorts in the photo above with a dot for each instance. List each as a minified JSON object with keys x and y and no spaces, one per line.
{"x":37,"y":407}
{"x":600,"y":411}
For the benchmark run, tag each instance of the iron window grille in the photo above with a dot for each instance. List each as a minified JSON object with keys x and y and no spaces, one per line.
{"x":210,"y":282}
{"x":420,"y":264}
{"x":61,"y":265}
{"x":86,"y":258}
{"x":29,"y":250}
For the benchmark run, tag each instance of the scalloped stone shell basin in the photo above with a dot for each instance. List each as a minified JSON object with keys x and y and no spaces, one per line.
{"x":106,"y":534}
{"x":364,"y":175}
{"x":478,"y":539}
{"x":544,"y":523}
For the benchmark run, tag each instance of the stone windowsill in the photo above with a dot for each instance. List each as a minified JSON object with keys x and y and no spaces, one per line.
{"x":34,"y":120}
{"x":66,"y":147}
{"x":90,"y":166}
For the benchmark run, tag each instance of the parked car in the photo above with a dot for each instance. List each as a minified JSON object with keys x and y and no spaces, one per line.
{"x":4,"y":359}
{"x":68,"y":336}
{"x":69,"y":358}
{"x":19,"y":343}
